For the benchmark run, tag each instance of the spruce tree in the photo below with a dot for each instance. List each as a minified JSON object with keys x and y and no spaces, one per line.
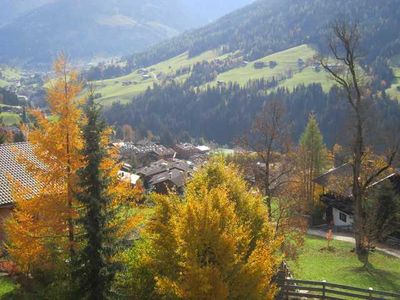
{"x":96,"y":271}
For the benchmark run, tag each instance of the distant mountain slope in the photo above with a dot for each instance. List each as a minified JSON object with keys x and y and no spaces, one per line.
{"x":210,"y":10}
{"x":35,"y":32}
{"x":11,"y":9}
{"x":226,"y":50}
{"x":87,"y":28}
{"x":268,"y":26}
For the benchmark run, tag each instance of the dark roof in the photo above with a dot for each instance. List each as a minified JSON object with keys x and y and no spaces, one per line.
{"x":341,"y":171}
{"x":344,"y":204}
{"x":394,"y":179}
{"x":145,"y":148}
{"x":185,"y":147}
{"x":10,"y":166}
{"x":161,"y":166}
{"x":154,"y":168}
{"x":177,"y":177}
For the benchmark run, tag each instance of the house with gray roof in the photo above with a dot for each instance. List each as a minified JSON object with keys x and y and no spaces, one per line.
{"x":12,"y":169}
{"x":337,"y":194}
{"x":163,"y":175}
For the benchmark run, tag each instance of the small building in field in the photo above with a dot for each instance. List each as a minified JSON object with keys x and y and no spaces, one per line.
{"x":259,"y":65}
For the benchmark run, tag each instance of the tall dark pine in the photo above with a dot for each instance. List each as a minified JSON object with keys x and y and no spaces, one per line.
{"x":96,"y":271}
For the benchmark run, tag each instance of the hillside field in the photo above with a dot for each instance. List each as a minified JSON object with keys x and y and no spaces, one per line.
{"x":287,"y":62}
{"x":10,"y":118}
{"x":114,"y":90}
{"x":8,"y":74}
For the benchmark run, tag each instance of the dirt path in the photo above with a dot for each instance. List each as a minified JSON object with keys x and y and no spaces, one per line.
{"x":349,"y":239}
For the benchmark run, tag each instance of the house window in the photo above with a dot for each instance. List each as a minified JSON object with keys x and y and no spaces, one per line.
{"x":343,"y":217}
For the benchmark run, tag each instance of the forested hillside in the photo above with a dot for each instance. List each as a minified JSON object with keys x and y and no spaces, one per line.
{"x":268,"y":26}
{"x":223,"y":114}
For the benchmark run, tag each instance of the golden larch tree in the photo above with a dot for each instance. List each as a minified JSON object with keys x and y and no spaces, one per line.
{"x":41,"y":231}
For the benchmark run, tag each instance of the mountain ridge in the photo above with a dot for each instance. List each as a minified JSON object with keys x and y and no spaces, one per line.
{"x":268,"y":26}
{"x":109,"y":28}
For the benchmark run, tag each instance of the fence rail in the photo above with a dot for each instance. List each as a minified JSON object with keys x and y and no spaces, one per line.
{"x":305,"y":289}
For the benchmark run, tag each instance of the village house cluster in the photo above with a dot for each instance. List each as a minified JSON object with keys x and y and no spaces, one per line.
{"x":160,"y":168}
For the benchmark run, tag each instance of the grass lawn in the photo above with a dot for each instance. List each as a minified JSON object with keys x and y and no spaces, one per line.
{"x":342,"y":266}
{"x":6,"y":286}
{"x":10,"y":118}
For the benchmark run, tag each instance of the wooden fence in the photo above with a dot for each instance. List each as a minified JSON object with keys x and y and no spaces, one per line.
{"x":304,"y":289}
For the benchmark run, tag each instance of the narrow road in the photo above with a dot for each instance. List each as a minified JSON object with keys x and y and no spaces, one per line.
{"x":350,"y":239}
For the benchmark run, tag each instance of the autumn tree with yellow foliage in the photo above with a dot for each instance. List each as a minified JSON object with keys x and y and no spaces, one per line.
{"x":216,"y":243}
{"x":41,"y":231}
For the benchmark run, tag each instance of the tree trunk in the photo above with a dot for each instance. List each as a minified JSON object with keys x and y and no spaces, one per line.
{"x":358,"y":196}
{"x":268,"y":190}
{"x":71,"y":237}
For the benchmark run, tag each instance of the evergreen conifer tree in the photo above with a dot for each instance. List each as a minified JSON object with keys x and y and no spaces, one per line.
{"x":96,"y":271}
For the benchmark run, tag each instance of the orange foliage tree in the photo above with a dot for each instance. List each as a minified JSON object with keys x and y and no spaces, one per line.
{"x":41,"y":231}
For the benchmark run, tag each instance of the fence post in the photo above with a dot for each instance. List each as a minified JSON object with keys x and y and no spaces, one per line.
{"x":370,"y":292}
{"x":323,"y":289}
{"x":286,"y":288}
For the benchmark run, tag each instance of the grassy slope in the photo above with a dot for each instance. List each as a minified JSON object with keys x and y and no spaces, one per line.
{"x":10,"y":118}
{"x":287,"y":61}
{"x":343,"y":267}
{"x":112,"y":89}
{"x":8,"y":74}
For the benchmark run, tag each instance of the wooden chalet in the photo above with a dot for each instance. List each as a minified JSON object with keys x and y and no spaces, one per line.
{"x":339,"y":204}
